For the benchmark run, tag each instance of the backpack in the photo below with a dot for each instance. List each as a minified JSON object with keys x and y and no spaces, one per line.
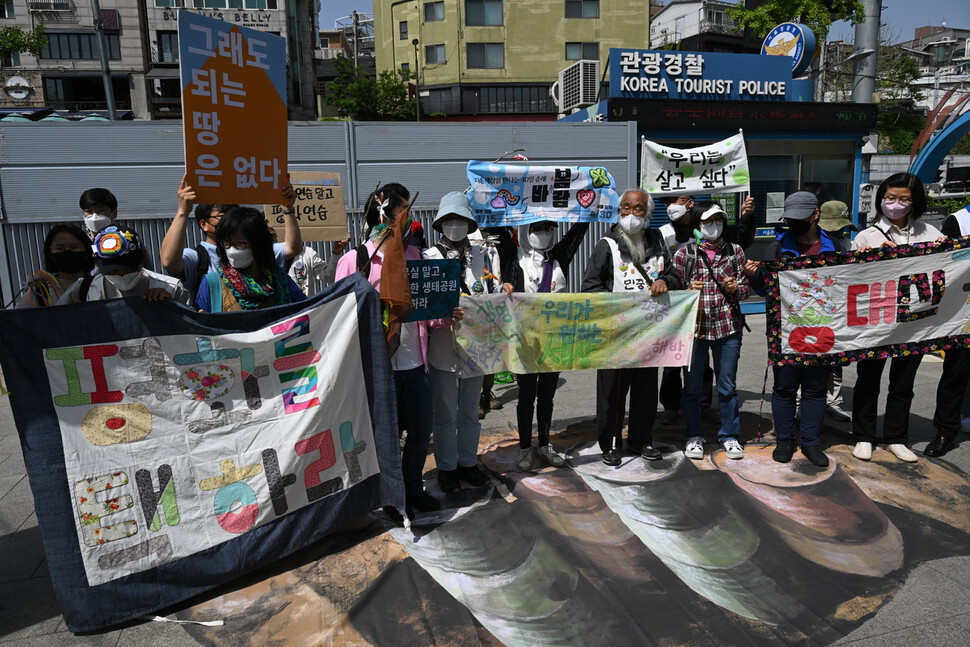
{"x":85,"y":287}
{"x":201,"y":269}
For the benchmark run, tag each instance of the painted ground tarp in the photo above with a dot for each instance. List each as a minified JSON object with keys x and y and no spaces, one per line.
{"x":886,"y":302}
{"x":543,"y":333}
{"x":519,"y":194}
{"x":169,"y":451}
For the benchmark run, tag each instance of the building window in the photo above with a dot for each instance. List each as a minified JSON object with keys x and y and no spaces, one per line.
{"x":715,"y":16}
{"x":406,"y":70}
{"x":582,"y":8}
{"x":11,"y":59}
{"x":6,"y":9}
{"x":402,"y":28}
{"x":483,"y":12}
{"x":324,"y":42}
{"x":679,"y":28}
{"x":168,"y":47}
{"x":79,"y":46}
{"x":434,"y":11}
{"x":486,"y":55}
{"x":434,"y":54}
{"x":577,"y":51}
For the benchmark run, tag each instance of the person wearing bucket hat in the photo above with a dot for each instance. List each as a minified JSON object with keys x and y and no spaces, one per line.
{"x":803,"y":237}
{"x":120,"y":258}
{"x":834,"y":220}
{"x":456,"y":427}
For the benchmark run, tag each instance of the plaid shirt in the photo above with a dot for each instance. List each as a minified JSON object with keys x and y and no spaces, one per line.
{"x":717,"y":318}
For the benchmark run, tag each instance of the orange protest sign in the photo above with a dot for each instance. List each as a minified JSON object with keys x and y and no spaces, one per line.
{"x":234,"y":110}
{"x":319,"y":206}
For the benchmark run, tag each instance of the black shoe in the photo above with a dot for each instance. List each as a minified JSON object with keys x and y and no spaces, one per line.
{"x":472,"y":475}
{"x":423,"y":502}
{"x":393,"y":514}
{"x":815,"y":455}
{"x":611,"y":457}
{"x":784,"y":450}
{"x":482,"y":410}
{"x":940,"y":446}
{"x":649,"y":453}
{"x":448,"y":481}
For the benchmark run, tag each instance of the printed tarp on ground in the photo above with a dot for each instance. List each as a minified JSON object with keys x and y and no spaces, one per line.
{"x":169,"y":451}
{"x":519,"y":194}
{"x":543,"y":333}
{"x":886,"y":302}
{"x":720,"y":167}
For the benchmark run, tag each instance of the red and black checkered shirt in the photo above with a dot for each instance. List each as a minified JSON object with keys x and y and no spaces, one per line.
{"x":717,"y":318}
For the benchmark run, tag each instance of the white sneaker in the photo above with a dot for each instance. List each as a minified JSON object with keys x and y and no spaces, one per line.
{"x":525,"y":459}
{"x":733,"y":448}
{"x":837,"y":412}
{"x":862,"y":451}
{"x":695,"y":448}
{"x":902,"y":452}
{"x":551,"y":456}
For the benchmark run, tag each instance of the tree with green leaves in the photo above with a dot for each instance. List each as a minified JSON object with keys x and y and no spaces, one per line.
{"x":14,"y":39}
{"x":362,"y":98}
{"x":817,"y":14}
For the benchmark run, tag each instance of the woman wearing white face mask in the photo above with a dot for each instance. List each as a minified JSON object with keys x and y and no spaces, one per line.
{"x":542,"y":266}
{"x":120,"y":259}
{"x":248,"y":276}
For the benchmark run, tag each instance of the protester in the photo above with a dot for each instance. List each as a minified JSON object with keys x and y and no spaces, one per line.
{"x":542,"y":267}
{"x":311,"y":272}
{"x":631,"y":258}
{"x":248,"y":276}
{"x":500,"y":251}
{"x":676,"y":234}
{"x":100,"y":209}
{"x":120,"y":259}
{"x":900,"y":201}
{"x":410,"y":359}
{"x":456,"y":424}
{"x":67,"y":258}
{"x":835,"y":223}
{"x":951,"y":391}
{"x":715,"y":267}
{"x":192,"y":263}
{"x":803,"y":238}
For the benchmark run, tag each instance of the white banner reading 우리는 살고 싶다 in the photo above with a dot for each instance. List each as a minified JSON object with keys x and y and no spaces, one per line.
{"x":887,"y":302}
{"x":720,"y":167}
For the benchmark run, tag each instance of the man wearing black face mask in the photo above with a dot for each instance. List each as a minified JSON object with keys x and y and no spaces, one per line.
{"x":803,"y":238}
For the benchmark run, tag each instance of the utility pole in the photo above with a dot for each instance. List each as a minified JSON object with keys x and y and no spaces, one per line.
{"x":109,"y":93}
{"x":417,"y":88}
{"x":867,"y":37}
{"x":356,"y":29}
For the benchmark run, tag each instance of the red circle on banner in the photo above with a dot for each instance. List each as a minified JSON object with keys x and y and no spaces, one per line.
{"x":805,"y":339}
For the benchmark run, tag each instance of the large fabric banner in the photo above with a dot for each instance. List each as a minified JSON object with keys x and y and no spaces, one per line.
{"x":720,"y":167}
{"x":886,"y":302}
{"x":519,"y":194}
{"x":545,"y":333}
{"x":169,"y":451}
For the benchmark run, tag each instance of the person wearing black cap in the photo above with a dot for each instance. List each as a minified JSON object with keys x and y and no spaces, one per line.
{"x":803,"y":238}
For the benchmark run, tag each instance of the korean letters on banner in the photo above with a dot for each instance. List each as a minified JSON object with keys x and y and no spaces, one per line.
{"x":716,"y":168}
{"x":506,"y":194}
{"x":234,"y":107}
{"x":435,"y":288}
{"x":319,"y":206}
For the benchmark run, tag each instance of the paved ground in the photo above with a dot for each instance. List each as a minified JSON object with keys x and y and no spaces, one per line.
{"x":933,"y":608}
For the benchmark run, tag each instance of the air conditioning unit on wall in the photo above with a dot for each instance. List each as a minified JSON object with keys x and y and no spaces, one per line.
{"x":578,"y":85}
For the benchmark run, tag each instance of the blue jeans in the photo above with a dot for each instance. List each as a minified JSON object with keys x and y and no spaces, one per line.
{"x":725,"y":352}
{"x":456,"y":426}
{"x":414,"y":404}
{"x":814,"y":381}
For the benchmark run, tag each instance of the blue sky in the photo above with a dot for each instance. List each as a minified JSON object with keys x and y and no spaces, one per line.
{"x":903,"y":16}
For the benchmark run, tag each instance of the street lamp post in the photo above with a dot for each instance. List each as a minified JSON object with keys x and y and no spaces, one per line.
{"x":417,"y":89}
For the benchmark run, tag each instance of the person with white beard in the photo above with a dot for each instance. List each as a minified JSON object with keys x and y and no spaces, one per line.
{"x":631,"y":258}
{"x":542,"y":265}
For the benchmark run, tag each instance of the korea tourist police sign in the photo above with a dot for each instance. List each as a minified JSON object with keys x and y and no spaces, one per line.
{"x":886,"y":302}
{"x":234,"y":106}
{"x":169,"y":451}
{"x":664,"y":74}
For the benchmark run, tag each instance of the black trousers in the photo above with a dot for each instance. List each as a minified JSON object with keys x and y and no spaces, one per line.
{"x":865,"y":397}
{"x":671,"y":385}
{"x":950,"y":392}
{"x":536,"y":393}
{"x":612,"y":386}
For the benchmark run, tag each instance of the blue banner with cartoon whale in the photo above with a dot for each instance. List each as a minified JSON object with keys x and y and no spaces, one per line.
{"x":507,"y":194}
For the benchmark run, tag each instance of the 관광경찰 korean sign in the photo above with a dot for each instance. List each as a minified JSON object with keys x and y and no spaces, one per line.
{"x":665,"y":74}
{"x":715,"y":168}
{"x":886,"y":302}
{"x":234,"y":110}
{"x":507,"y":194}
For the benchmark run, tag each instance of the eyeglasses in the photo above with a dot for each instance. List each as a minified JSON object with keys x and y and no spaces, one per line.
{"x":902,"y":200}
{"x":639,"y":208}
{"x":237,"y":245}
